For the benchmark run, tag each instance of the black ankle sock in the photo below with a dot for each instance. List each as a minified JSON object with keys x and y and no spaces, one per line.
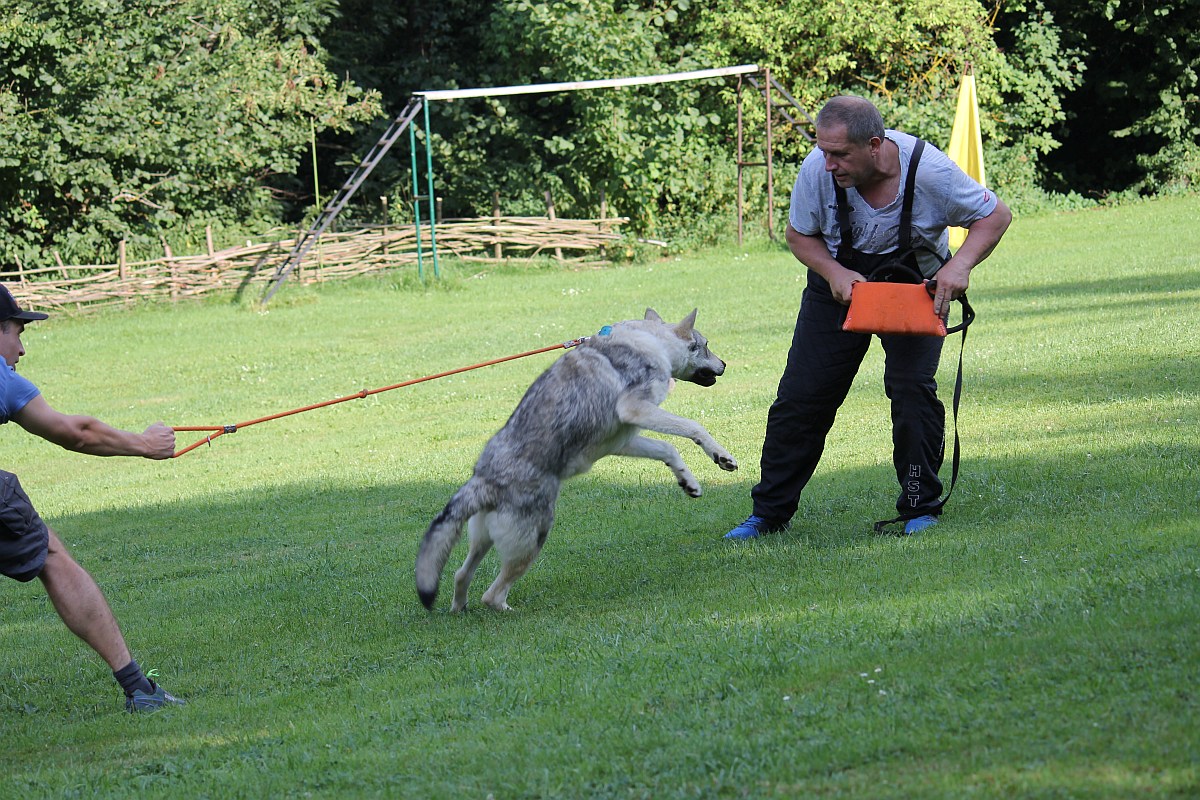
{"x":131,"y":678}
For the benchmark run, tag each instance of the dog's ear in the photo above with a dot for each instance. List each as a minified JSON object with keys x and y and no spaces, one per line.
{"x":652,"y":315}
{"x":684,"y":329}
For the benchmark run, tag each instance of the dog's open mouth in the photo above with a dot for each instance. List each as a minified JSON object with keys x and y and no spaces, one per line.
{"x":703,"y":377}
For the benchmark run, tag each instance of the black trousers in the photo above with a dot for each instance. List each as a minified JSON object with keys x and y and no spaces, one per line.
{"x":821,"y":366}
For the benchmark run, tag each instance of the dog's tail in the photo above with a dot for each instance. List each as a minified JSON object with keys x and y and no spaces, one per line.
{"x":444,"y":533}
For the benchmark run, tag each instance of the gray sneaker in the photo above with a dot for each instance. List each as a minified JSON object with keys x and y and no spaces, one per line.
{"x":140,"y":702}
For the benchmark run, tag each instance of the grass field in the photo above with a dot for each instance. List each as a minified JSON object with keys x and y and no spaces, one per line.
{"x":1040,"y":643}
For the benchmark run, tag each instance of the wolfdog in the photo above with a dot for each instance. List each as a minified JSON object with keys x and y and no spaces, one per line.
{"x":592,"y":402}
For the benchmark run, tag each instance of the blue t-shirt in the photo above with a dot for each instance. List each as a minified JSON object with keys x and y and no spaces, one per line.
{"x":15,"y":392}
{"x":944,"y":196}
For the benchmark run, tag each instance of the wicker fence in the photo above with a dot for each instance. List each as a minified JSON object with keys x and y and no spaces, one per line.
{"x":337,"y":256}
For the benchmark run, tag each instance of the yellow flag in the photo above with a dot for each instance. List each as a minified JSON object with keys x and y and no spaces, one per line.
{"x":966,"y":143}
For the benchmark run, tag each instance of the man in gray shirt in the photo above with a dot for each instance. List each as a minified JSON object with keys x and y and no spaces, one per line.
{"x":857,"y":158}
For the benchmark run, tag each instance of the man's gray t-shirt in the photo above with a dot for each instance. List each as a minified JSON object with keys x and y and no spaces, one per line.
{"x":944,"y":196}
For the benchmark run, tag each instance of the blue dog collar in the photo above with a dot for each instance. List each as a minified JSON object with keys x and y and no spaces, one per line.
{"x":605,"y":331}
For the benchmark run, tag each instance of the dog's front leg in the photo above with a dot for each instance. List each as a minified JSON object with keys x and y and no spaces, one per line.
{"x":648,"y":416}
{"x":644,"y":447}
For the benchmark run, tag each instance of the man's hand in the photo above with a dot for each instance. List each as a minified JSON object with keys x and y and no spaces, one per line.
{"x":982,"y":238}
{"x":952,"y":280}
{"x":842,"y":282}
{"x":160,"y":441}
{"x":812,"y":253}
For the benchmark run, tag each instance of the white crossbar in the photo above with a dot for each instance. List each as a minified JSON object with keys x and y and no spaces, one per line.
{"x":611,"y":83}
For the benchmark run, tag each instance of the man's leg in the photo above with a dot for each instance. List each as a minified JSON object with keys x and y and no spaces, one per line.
{"x":821,"y":366}
{"x":81,"y":604}
{"x":918,"y":419}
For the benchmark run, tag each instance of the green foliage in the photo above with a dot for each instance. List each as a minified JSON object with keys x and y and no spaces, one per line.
{"x":122,"y":121}
{"x":651,"y":152}
{"x":1021,"y":103}
{"x":146,"y":121}
{"x":909,"y":59}
{"x":1135,"y":124}
{"x":665,"y":155}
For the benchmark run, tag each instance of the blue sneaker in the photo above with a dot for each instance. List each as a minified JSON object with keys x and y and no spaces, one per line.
{"x":140,"y":702}
{"x":919,"y":524}
{"x":754,"y":527}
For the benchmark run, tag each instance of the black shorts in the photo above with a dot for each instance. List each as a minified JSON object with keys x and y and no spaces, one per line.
{"x":24,"y":538}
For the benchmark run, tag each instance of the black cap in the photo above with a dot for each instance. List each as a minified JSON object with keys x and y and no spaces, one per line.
{"x":10,"y":310}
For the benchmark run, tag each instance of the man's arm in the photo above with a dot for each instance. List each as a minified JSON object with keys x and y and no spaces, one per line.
{"x":91,"y":436}
{"x":812,"y":253}
{"x":982,"y":238}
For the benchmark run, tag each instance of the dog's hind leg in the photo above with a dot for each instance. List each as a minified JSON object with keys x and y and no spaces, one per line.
{"x":497,"y":594}
{"x":481,"y":543}
{"x":519,"y":539}
{"x":645,"y":447}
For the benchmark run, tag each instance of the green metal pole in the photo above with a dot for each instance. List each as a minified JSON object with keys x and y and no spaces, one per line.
{"x":412,"y":146}
{"x":432,"y":199}
{"x":312,"y":138}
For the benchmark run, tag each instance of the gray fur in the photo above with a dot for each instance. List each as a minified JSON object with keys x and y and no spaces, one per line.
{"x":592,"y":402}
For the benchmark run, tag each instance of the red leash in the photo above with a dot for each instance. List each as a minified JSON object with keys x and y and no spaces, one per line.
{"x":221,"y":430}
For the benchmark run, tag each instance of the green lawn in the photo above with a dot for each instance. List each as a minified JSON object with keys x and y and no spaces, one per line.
{"x":1040,"y":642}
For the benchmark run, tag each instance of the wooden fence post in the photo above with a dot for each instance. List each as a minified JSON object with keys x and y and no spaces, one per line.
{"x":300,"y":263}
{"x":383,"y":199}
{"x":550,"y":214}
{"x":499,"y":248}
{"x":208,"y":240}
{"x":121,"y":260}
{"x":66,"y":276}
{"x":603,"y":215}
{"x":172,"y":270}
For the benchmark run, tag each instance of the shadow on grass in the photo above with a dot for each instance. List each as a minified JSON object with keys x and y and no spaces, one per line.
{"x":633,"y":544}
{"x":1166,"y":287}
{"x":1117,"y":376}
{"x":289,"y":618}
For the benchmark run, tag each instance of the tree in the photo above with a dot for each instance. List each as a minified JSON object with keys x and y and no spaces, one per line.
{"x":665,"y":155}
{"x":649,"y":150}
{"x":1135,"y":124}
{"x":125,"y":121}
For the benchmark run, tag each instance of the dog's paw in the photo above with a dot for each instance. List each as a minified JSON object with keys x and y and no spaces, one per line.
{"x":724,"y":461}
{"x":690,"y":486}
{"x":501,"y":606}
